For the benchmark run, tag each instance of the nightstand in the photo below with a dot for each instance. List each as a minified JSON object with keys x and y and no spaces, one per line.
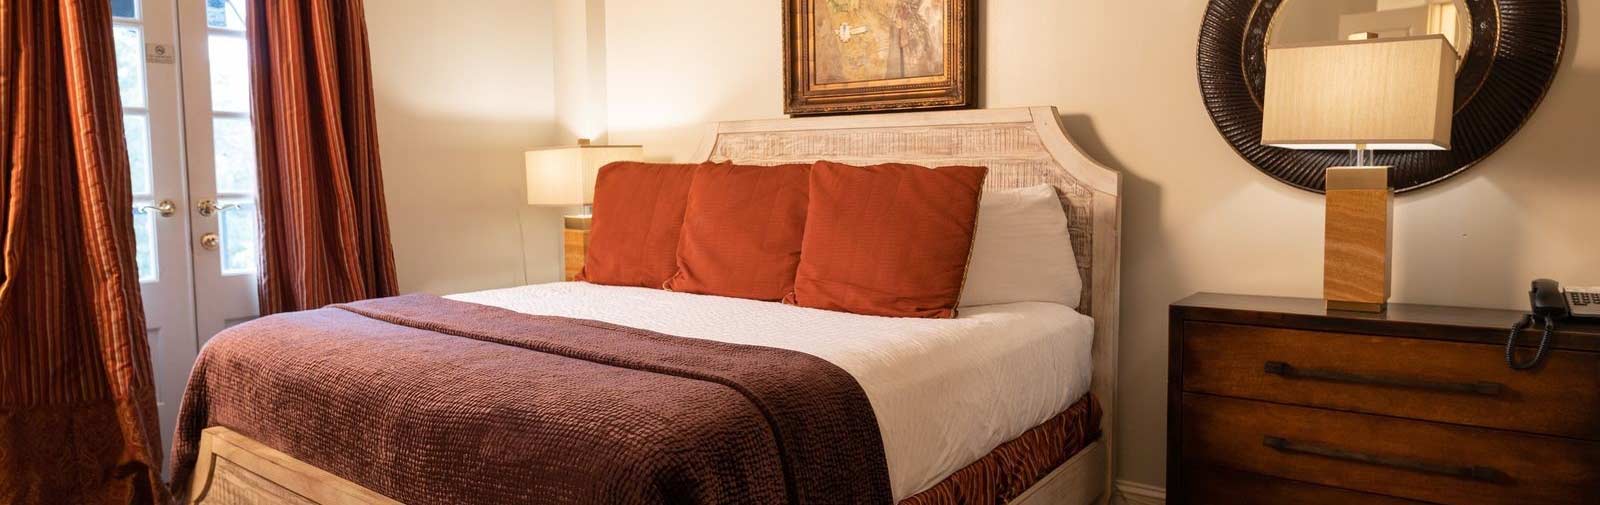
{"x":1278,"y":400}
{"x":574,"y":246}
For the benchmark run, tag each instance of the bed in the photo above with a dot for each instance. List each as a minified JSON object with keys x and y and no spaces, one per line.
{"x":991,"y":379}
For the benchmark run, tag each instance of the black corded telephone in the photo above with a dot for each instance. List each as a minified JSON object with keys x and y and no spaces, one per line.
{"x":1550,"y":303}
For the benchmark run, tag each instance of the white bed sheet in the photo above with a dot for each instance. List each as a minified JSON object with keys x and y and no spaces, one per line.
{"x":945,"y":391}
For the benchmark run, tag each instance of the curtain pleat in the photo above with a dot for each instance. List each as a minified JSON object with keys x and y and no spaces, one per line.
{"x":78,"y":420}
{"x":325,"y":232}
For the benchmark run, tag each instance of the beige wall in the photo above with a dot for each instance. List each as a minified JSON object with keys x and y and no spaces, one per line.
{"x":463,"y":88}
{"x":580,"y":78}
{"x":1197,"y":216}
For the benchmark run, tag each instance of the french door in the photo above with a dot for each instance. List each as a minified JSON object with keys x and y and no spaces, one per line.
{"x":184,"y":75}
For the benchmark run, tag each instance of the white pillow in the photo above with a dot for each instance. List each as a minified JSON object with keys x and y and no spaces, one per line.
{"x":1022,"y":251}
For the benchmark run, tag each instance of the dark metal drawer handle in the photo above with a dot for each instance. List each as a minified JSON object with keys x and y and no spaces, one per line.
{"x":1479,"y":473}
{"x":1477,"y":388}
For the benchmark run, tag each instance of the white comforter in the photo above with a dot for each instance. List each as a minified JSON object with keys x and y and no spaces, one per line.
{"x":946,"y":391}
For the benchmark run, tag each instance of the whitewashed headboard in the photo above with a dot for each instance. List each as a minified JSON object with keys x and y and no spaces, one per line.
{"x":1022,"y":147}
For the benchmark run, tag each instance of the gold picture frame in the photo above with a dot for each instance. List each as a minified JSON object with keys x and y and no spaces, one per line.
{"x":847,"y":56}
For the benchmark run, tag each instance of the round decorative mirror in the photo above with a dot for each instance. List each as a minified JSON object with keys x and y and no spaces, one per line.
{"x":1509,"y":51}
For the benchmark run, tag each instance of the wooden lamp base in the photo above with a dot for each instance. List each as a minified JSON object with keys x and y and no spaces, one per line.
{"x":574,"y":244}
{"x":1360,"y":229}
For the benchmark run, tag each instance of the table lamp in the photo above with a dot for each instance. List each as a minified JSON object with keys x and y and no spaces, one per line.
{"x":1359,"y":95}
{"x":564,"y":176}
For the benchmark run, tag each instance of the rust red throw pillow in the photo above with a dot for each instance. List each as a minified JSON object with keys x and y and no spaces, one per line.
{"x":887,"y":240}
{"x":742,"y":231}
{"x":638,"y":210}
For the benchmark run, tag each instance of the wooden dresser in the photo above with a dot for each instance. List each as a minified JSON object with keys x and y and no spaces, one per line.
{"x":1277,"y":400}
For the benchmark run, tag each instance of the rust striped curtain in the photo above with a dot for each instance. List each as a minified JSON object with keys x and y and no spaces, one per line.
{"x":325,"y":235}
{"x":78,"y":419}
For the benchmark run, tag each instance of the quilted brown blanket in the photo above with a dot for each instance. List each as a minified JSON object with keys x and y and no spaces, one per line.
{"x":427,"y":400}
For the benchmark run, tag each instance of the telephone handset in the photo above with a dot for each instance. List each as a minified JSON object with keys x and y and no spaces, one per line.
{"x":1550,"y":303}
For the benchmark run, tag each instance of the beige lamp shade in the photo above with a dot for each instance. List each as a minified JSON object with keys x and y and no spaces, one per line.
{"x":1380,"y":94}
{"x":565,"y":175}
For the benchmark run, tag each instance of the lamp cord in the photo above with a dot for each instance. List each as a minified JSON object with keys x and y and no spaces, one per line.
{"x":522,"y":245}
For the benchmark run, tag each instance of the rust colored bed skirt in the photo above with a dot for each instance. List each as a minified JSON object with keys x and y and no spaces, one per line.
{"x":1014,"y":466}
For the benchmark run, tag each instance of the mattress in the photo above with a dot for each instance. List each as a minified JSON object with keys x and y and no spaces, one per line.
{"x":946,"y":392}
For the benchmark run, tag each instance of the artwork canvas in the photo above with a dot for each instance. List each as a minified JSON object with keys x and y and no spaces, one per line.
{"x":871,"y":55}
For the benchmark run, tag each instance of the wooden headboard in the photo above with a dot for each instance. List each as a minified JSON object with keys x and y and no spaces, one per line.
{"x":1022,"y":147}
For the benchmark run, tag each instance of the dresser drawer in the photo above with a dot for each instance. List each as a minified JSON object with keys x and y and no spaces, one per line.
{"x":1455,"y":382}
{"x":1396,"y":457}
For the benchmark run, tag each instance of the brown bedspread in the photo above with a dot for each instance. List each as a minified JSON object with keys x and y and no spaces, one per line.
{"x":427,"y":400}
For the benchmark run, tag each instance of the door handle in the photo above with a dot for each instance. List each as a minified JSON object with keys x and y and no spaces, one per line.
{"x":1286,"y":370}
{"x":1472,"y":472}
{"x":209,"y":241}
{"x":164,"y":208}
{"x":207,"y":208}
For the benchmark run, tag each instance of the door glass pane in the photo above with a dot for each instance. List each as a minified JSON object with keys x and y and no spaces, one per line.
{"x":130,"y":64}
{"x":232,"y":136}
{"x":238,"y":233}
{"x":236,"y":155}
{"x":137,"y":130}
{"x":144,"y":240}
{"x":230,"y":73}
{"x":124,"y":9}
{"x":226,"y":14}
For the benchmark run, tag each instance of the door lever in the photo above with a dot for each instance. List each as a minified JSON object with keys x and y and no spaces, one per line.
{"x":165,"y":208}
{"x":207,"y":208}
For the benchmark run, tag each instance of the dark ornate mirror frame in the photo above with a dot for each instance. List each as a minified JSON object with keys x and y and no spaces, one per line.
{"x":1515,"y":50}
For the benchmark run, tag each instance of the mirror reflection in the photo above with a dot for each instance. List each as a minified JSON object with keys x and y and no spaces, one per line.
{"x":1310,"y":21}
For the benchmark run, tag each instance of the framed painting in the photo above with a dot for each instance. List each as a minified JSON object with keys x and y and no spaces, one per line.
{"x":844,"y":56}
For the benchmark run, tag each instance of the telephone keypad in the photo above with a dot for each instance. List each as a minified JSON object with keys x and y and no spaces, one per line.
{"x":1585,"y":302}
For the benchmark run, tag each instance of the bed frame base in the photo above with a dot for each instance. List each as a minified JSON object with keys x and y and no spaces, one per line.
{"x":1079,"y":481}
{"x":232,"y":468}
